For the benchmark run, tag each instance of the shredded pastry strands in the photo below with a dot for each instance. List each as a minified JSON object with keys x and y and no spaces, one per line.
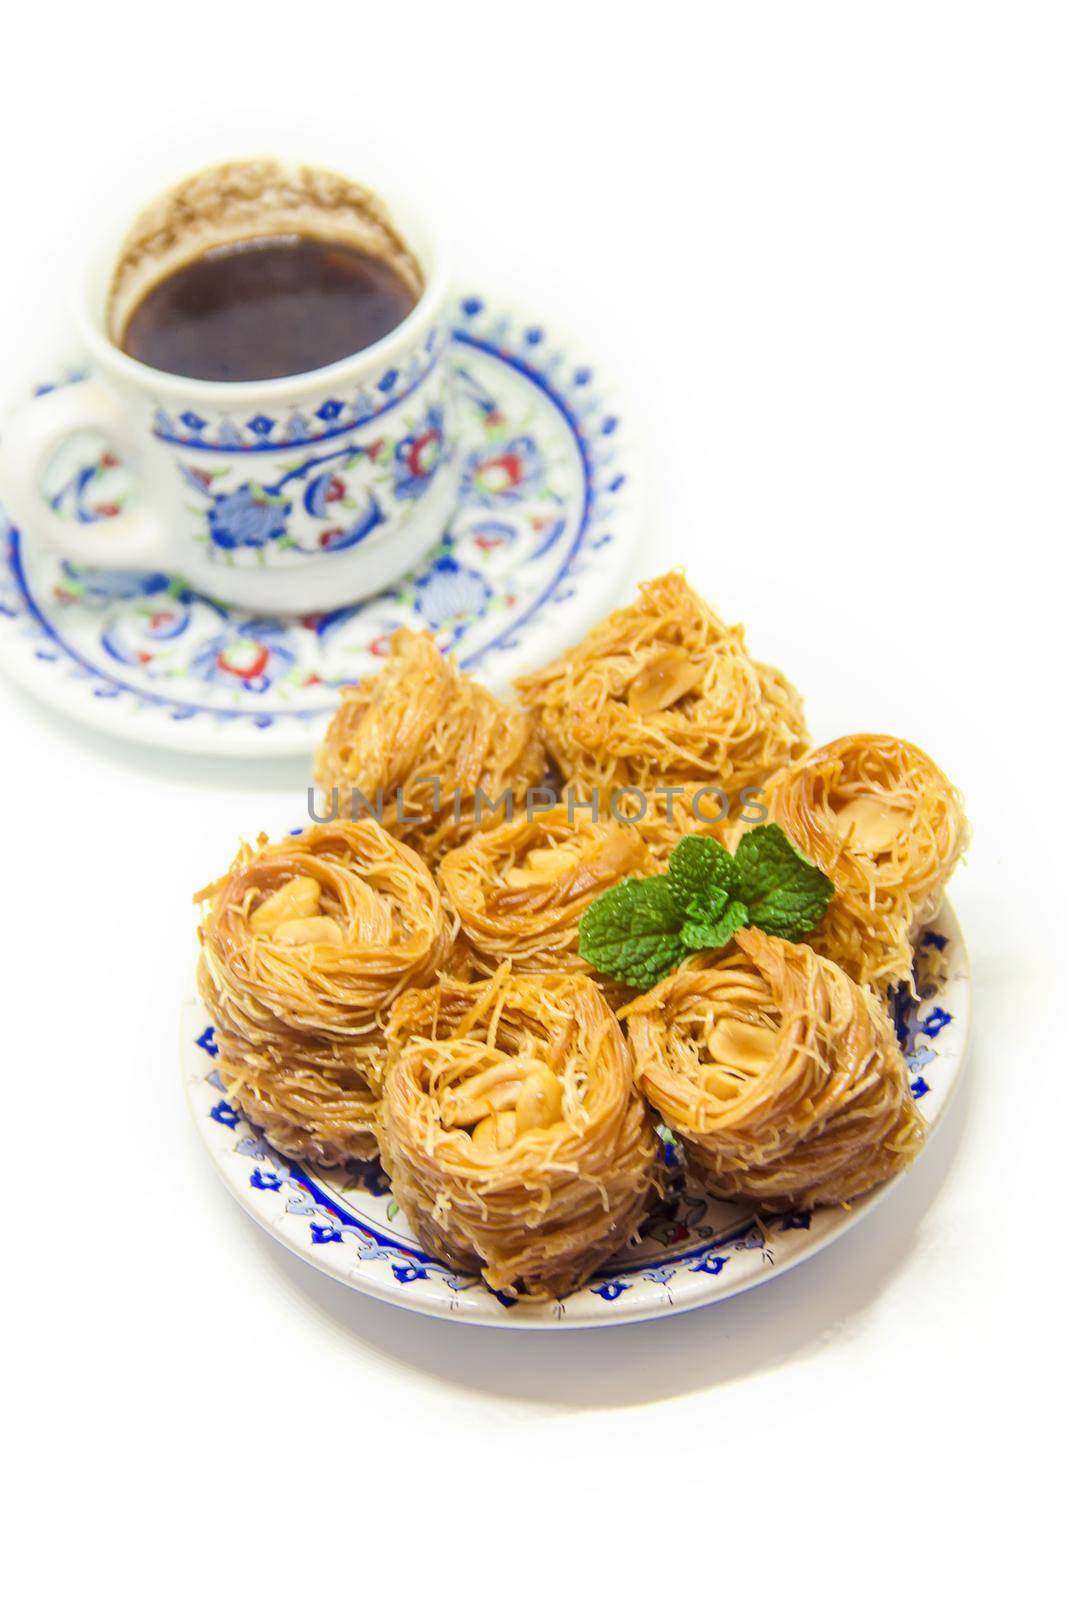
{"x":304,"y":945}
{"x":414,"y":986}
{"x":782,"y":1077}
{"x":420,"y":718}
{"x":883,"y":821}
{"x":510,"y":1127}
{"x":521,"y":889}
{"x":662,"y":693}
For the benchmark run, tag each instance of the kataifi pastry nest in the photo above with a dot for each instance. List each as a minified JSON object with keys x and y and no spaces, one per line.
{"x":512,"y":1132}
{"x":304,"y":945}
{"x":882,"y":820}
{"x":520,"y":890}
{"x":427,"y":750}
{"x":781,"y":1076}
{"x":663,"y":694}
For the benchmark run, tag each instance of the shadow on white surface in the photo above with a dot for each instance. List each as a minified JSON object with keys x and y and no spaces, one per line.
{"x":276,"y":774}
{"x":823,"y":1300}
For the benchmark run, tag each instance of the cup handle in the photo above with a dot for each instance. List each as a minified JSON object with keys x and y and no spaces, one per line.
{"x":137,"y":537}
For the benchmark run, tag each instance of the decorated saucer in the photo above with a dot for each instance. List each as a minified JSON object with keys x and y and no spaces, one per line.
{"x":543,"y":533}
{"x":693,"y":1249}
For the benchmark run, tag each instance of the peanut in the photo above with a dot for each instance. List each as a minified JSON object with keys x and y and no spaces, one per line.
{"x":542,"y":866}
{"x":744,"y":1045}
{"x":668,"y":676}
{"x":309,"y":930}
{"x":495,"y":1132}
{"x":298,"y":898}
{"x":540,"y":1101}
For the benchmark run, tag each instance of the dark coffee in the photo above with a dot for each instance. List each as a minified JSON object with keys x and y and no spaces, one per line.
{"x":266,"y":308}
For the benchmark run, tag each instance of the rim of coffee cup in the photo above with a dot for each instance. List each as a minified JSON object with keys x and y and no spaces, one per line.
{"x":90,"y":312}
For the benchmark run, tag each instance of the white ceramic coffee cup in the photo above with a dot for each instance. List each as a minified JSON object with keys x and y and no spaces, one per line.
{"x":295,"y":494}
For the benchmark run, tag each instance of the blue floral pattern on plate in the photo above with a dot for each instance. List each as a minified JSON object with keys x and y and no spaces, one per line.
{"x":693,"y":1249}
{"x":542,"y":534}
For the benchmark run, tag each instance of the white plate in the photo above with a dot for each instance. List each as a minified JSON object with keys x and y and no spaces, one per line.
{"x":542,"y":537}
{"x":693,"y":1251}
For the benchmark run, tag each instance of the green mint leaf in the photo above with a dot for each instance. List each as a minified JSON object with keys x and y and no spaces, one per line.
{"x":643,"y":928}
{"x":702,"y":878}
{"x":632,"y":932}
{"x":785,"y":893}
{"x":710,"y":935}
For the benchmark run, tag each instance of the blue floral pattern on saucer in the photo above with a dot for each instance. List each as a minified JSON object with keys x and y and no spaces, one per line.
{"x":693,"y":1249}
{"x":542,"y":535}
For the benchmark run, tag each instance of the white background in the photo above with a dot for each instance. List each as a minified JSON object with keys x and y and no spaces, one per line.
{"x":822,"y":248}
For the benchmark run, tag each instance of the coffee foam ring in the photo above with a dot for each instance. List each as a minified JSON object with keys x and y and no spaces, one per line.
{"x":244,"y":200}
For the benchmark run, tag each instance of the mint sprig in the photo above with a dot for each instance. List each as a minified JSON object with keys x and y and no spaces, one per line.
{"x":633,"y":929}
{"x":642,"y":928}
{"x":785,"y":893}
